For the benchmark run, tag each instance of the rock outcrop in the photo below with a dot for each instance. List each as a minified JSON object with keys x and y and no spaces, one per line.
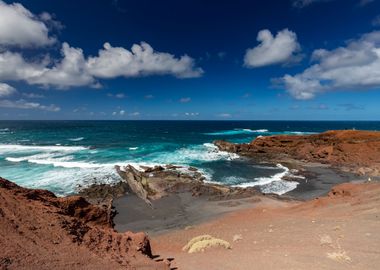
{"x":156,"y":182}
{"x":41,"y":231}
{"x":356,"y":151}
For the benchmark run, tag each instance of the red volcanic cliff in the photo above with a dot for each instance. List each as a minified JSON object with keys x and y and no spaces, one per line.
{"x":40,"y":231}
{"x":358,"y":150}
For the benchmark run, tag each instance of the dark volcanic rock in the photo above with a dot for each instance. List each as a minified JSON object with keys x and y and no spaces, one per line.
{"x":159,"y":183}
{"x":103,"y":192}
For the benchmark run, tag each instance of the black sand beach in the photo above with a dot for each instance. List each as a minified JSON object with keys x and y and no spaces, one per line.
{"x":181,"y":210}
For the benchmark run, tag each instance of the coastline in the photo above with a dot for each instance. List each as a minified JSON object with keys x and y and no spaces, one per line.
{"x":180,"y":210}
{"x":322,"y":224}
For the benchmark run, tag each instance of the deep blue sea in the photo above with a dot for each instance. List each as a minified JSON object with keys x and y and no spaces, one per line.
{"x":60,"y":155}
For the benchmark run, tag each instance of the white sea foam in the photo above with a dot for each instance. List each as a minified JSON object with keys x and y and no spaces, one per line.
{"x":256,"y":131}
{"x":133,"y":148}
{"x":76,"y":139}
{"x":205,"y":152}
{"x":4,"y":129}
{"x":65,"y":181}
{"x":191,"y":154}
{"x":48,"y":157}
{"x":273,"y":184}
{"x":299,"y":132}
{"x":67,"y":164}
{"x":15,"y":159}
{"x":20,"y":148}
{"x":265,"y":167}
{"x":236,"y":131}
{"x":279,"y":187}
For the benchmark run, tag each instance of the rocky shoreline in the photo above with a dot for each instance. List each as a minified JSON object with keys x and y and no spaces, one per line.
{"x":44,"y":231}
{"x":343,"y":155}
{"x":346,"y":150}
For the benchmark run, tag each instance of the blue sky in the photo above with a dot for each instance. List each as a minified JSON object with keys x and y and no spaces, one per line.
{"x":222,"y":60}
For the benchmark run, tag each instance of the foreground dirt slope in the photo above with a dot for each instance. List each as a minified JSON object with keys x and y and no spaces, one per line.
{"x":340,"y":231}
{"x":41,"y":231}
{"x":358,"y":151}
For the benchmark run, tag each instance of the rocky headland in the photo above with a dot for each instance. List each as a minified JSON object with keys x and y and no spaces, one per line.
{"x":348,"y":150}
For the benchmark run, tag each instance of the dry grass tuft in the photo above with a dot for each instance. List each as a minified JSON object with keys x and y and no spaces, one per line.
{"x":202,"y":242}
{"x":340,"y":256}
{"x":196,"y":239}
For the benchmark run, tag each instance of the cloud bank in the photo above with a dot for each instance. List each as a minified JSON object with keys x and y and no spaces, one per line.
{"x":353,"y":67}
{"x":23,"y":104}
{"x":18,"y":26}
{"x":6,"y":90}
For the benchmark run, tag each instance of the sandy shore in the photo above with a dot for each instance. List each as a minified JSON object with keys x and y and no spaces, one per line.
{"x":176,"y":211}
{"x":336,"y":232}
{"x":180,"y":210}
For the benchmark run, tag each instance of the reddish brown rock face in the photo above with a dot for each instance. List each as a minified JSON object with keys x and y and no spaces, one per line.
{"x":357,"y":150}
{"x":40,"y":231}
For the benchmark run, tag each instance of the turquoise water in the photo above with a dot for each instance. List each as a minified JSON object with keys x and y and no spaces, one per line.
{"x":60,"y":155}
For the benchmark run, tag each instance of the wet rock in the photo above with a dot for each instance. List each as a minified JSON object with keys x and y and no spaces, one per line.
{"x":137,"y":181}
{"x":98,"y":193}
{"x":159,"y":183}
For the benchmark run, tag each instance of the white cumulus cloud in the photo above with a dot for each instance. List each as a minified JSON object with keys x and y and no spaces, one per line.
{"x":74,"y":70}
{"x":24,"y":104}
{"x":6,"y":90}
{"x":141,"y":60}
{"x":279,"y":49}
{"x":19,"y":27}
{"x":353,"y":67}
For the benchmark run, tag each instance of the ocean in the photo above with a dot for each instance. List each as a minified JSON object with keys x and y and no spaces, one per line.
{"x":61,"y":155}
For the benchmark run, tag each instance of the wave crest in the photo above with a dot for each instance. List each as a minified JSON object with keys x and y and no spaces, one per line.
{"x":273,"y":184}
{"x":236,"y":131}
{"x":76,"y":139}
{"x":20,"y":148}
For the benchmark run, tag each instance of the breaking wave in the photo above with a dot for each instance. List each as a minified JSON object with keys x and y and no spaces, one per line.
{"x":76,"y":139}
{"x":236,"y":131}
{"x":273,"y":184}
{"x":23,"y":148}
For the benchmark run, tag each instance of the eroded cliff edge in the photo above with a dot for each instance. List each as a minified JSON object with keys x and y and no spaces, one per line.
{"x":41,"y":231}
{"x":348,"y":150}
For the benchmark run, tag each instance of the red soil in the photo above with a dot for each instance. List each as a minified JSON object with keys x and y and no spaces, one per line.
{"x":339,"y":231}
{"x":40,"y":231}
{"x":357,"y":150}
